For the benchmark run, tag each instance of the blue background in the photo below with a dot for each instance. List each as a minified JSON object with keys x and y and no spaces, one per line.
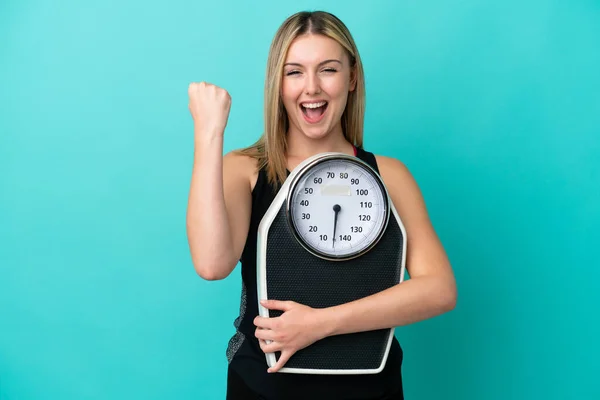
{"x":494,"y":107}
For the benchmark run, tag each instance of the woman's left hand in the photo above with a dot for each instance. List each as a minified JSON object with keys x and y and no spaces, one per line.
{"x":298,"y":327}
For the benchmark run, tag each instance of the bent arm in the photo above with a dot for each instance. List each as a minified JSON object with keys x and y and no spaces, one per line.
{"x":219,"y":207}
{"x":431,"y":290}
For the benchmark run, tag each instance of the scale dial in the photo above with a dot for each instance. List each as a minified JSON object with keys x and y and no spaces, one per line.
{"x":338,"y":207}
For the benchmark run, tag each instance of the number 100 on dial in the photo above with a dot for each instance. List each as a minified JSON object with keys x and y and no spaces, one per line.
{"x":338,"y":208}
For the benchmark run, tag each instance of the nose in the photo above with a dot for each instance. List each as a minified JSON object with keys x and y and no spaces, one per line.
{"x":312,"y":84}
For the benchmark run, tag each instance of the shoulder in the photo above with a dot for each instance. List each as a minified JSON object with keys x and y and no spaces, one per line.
{"x":236,"y":157}
{"x":392,"y":170}
{"x":240,"y":167}
{"x":402,"y":187}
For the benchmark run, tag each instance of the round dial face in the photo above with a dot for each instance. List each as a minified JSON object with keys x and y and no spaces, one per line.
{"x":338,"y":208}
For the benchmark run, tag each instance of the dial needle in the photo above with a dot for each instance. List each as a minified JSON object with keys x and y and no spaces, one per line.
{"x":336,"y":210}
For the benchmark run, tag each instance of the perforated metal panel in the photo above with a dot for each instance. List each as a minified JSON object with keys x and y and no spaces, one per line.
{"x":292,"y":273}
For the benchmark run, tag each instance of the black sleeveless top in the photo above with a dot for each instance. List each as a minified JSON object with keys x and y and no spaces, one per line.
{"x":248,"y":360}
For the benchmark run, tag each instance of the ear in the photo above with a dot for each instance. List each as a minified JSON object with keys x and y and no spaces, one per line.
{"x":353,"y":79}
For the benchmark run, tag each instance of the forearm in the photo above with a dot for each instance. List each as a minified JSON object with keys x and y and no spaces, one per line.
{"x":414,"y":300}
{"x":209,"y":233}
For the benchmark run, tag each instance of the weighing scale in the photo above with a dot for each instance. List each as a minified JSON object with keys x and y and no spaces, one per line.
{"x":331,"y":236}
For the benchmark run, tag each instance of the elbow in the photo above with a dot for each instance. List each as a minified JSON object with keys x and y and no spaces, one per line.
{"x":210,"y":275}
{"x":212,"y":272}
{"x":450,"y":303}
{"x":448,"y":300}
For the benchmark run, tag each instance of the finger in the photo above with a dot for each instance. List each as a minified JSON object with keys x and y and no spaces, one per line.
{"x":277,"y":304}
{"x":269,"y":347}
{"x":285,"y":356}
{"x":263,"y":322}
{"x":264,"y":334}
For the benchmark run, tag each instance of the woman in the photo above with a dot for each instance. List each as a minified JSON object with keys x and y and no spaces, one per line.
{"x":314,"y":102}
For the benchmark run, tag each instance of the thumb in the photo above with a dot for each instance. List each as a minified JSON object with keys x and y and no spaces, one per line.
{"x":285,"y":356}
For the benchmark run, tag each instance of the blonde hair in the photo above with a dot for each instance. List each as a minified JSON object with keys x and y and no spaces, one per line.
{"x":270,"y":149}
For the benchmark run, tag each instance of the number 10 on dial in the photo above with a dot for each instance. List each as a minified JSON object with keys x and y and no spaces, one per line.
{"x":338,"y":207}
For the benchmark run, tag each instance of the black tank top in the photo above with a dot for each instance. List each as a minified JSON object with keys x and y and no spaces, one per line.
{"x":248,"y":360}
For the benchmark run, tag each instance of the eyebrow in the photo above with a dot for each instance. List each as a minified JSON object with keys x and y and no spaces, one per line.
{"x":321,"y":63}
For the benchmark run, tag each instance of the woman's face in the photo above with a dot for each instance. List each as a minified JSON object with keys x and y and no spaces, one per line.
{"x":316,"y":81}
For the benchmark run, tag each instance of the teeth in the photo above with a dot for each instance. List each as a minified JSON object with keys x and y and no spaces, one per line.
{"x":314,"y":105}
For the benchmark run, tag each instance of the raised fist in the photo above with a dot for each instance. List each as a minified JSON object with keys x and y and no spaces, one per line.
{"x":209,"y":106}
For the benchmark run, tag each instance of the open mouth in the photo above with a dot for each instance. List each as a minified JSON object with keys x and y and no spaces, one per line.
{"x":313,"y":112}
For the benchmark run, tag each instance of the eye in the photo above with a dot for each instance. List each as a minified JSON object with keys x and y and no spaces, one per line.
{"x":293,"y":72}
{"x":330,"y":70}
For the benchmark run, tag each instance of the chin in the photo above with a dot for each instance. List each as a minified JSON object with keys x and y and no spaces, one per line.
{"x":314,"y":132}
